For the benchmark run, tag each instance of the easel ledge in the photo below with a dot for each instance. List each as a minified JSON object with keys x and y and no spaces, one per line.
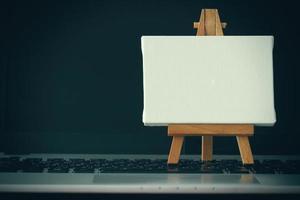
{"x":210,"y":24}
{"x":208,"y":129}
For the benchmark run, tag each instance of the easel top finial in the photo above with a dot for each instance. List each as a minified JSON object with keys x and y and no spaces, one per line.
{"x":209,"y":23}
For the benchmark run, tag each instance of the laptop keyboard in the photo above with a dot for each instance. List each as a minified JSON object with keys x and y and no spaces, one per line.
{"x":59,"y":165}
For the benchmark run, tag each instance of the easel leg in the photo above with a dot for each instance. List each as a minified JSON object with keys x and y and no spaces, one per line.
{"x":175,"y":150}
{"x":245,"y":149}
{"x":207,"y":148}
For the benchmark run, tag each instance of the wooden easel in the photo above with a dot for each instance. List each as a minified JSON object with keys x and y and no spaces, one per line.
{"x":210,"y":24}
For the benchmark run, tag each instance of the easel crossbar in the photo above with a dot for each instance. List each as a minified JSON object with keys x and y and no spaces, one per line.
{"x":211,"y":129}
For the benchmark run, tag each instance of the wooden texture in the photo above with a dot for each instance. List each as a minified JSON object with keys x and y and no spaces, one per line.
{"x":210,"y":24}
{"x":218,"y":25}
{"x":196,"y":24}
{"x":175,"y":150}
{"x":210,"y":129}
{"x":201,"y":24}
{"x":210,"y":21}
{"x":207,"y":148}
{"x":245,"y":149}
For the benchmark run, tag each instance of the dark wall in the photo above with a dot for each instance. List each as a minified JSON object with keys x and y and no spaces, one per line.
{"x":71,"y":73}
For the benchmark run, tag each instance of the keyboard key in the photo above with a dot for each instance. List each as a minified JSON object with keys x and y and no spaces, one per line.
{"x":57,"y":165}
{"x":238,"y":170}
{"x":33,"y":165}
{"x":10,"y":164}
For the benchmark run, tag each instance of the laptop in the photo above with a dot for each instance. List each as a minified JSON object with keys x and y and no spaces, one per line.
{"x":72,"y":104}
{"x":77,"y":173}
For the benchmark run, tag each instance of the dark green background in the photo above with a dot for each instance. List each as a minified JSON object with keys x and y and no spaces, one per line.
{"x":71,"y":73}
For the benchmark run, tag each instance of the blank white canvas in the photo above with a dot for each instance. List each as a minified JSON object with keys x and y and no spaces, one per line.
{"x":211,"y":79}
